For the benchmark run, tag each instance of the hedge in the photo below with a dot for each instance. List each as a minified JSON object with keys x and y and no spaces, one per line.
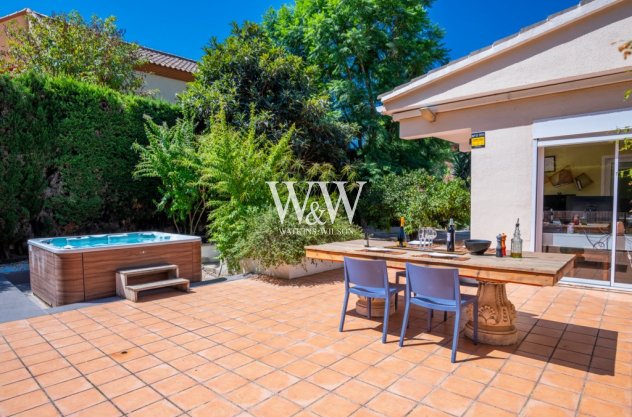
{"x":66,"y":159}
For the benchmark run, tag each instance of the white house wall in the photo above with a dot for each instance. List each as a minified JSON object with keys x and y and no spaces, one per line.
{"x":167,"y":88}
{"x":585,"y":47}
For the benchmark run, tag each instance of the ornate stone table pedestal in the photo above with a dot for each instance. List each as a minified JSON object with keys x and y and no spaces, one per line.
{"x":377,"y":306}
{"x":496,"y":315}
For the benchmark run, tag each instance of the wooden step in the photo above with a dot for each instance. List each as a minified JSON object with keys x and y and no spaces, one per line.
{"x":148,"y":270}
{"x":158,"y":284}
{"x":133,"y":290}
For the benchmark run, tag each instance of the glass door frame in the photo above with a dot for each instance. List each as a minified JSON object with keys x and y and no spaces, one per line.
{"x":537,"y":217}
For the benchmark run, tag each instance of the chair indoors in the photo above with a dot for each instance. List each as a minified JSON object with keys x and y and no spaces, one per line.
{"x":437,"y":289}
{"x":369,"y":278}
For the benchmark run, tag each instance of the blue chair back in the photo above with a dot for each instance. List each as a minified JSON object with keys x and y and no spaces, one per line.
{"x":433,"y":282}
{"x":365,"y":273}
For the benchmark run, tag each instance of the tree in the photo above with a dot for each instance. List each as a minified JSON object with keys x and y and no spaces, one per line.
{"x":171,"y":155}
{"x":363,"y":48}
{"x":247,"y":72}
{"x":66,"y":44}
{"x":236,"y":162}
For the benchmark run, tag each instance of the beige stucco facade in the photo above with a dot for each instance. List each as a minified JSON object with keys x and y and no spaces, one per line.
{"x":566,"y":66}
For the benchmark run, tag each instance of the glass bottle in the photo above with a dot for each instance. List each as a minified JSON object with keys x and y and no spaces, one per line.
{"x":516,"y":242}
{"x":401,"y":237}
{"x":450,"y":237}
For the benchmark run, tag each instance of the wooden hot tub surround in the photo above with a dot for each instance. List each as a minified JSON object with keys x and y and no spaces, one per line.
{"x":65,"y":276}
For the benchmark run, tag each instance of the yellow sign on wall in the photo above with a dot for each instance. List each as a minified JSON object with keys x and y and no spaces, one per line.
{"x":477,"y":140}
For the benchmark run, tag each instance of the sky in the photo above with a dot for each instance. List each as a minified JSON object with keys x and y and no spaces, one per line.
{"x":184,"y":28}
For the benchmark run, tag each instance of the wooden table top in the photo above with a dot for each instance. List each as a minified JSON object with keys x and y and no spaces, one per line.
{"x":541,"y":269}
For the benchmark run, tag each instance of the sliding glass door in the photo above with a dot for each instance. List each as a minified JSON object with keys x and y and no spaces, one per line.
{"x":577,"y":207}
{"x":623,"y":242}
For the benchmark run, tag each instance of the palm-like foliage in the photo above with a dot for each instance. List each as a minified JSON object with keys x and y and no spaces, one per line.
{"x":236,"y":163}
{"x":172,"y":156}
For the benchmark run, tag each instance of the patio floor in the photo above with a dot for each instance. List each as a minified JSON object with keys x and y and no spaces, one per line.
{"x":271,"y":348}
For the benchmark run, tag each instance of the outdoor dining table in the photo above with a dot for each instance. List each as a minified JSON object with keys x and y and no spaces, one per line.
{"x":496,"y":314}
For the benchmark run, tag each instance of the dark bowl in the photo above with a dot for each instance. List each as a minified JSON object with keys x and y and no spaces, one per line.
{"x":477,"y":246}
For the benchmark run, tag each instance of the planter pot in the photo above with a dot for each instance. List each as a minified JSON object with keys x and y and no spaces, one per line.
{"x":307,"y":267}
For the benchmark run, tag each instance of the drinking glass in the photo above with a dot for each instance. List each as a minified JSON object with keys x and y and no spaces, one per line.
{"x":431,"y":235}
{"x":422,"y":237}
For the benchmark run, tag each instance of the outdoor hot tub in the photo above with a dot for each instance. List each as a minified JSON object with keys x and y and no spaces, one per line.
{"x":67,"y":270}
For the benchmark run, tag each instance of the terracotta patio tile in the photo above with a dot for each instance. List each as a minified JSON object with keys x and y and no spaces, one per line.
{"x":258,"y":351}
{"x":276,"y":381}
{"x":503,"y":399}
{"x":475,"y":373}
{"x":215,"y":352}
{"x":556,"y":396}
{"x":328,"y":379}
{"x":522,"y":370}
{"x":378,"y":377}
{"x":79,"y":401}
{"x":67,"y":388}
{"x":17,"y":388}
{"x":14,"y":376}
{"x":302,"y":368}
{"x":141,"y":363}
{"x":409,"y":388}
{"x":173,"y":384}
{"x":597,"y":407}
{"x":11,"y":365}
{"x":162,"y":408}
{"x":95,"y":365}
{"x":22,"y":402}
{"x":427,"y":375}
{"x":121,"y":386}
{"x":479,"y":410}
{"x":171,"y":353}
{"x":563,"y":381}
{"x":158,"y":346}
{"x":391,"y":405}
{"x":217,"y":407}
{"x":535,"y":408}
{"x":48,"y":366}
{"x":192,"y":397}
{"x":324,"y":357}
{"x":608,"y":393}
{"x":333,"y":405}
{"x":248,"y":395}
{"x":425,"y":411}
{"x":151,"y":375}
{"x":40,"y":357}
{"x":513,"y":384}
{"x":349,"y":367}
{"x":137,"y":399}
{"x":357,"y":391}
{"x":365,"y":412}
{"x":57,"y":376}
{"x":226,"y":382}
{"x":204,"y":372}
{"x":303,"y":393}
{"x":233,"y":360}
{"x":446,"y":401}
{"x":85,"y":356}
{"x":44,"y":410}
{"x":278,"y":359}
{"x":187,"y":362}
{"x":254,"y":370}
{"x":104,"y":409}
{"x":274,"y":407}
{"x":108,"y":374}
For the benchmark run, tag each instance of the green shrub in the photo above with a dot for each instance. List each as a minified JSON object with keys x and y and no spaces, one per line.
{"x":271,"y":243}
{"x":423,"y":199}
{"x":66,"y":158}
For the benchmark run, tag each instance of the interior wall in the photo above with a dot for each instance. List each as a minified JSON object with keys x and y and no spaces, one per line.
{"x":580,"y":159}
